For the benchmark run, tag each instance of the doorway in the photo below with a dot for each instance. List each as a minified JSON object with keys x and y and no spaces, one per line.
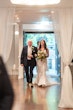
{"x":53,"y":61}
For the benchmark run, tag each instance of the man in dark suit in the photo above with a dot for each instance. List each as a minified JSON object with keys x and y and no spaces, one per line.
{"x":6,"y":90}
{"x":28,"y":61}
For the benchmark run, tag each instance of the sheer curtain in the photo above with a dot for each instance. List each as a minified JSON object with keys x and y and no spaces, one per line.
{"x":63,"y":26}
{"x":6,"y":31}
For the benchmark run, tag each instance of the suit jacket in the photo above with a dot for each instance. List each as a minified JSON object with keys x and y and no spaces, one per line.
{"x":6,"y":90}
{"x":24,"y":56}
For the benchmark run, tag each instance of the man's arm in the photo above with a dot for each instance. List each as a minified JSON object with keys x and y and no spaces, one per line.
{"x":35,"y":52}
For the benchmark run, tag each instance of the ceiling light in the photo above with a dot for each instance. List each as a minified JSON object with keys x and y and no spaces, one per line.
{"x":35,"y":2}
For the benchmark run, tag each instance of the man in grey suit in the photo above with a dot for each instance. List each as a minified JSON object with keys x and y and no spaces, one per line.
{"x":28,"y":61}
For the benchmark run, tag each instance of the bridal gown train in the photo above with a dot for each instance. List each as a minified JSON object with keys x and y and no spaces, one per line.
{"x":42,"y":79}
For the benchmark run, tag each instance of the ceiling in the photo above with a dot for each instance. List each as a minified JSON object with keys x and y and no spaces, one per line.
{"x":32,"y":14}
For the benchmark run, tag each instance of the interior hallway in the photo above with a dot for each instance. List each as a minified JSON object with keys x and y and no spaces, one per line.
{"x":36,"y":98}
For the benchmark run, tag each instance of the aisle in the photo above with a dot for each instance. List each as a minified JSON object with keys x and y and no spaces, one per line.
{"x":35,"y":98}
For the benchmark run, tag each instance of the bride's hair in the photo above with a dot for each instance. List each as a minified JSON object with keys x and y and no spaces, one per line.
{"x":45,"y":46}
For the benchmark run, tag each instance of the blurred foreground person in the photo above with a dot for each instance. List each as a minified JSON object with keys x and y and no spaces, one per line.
{"x":6,"y":90}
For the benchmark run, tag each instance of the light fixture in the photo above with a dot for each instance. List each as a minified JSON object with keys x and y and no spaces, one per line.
{"x":35,"y":2}
{"x":16,"y":32}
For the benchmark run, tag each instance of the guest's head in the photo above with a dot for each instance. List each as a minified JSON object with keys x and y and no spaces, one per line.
{"x":29,"y":43}
{"x":43,"y":44}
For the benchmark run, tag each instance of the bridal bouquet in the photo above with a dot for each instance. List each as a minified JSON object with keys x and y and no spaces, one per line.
{"x":41,"y":55}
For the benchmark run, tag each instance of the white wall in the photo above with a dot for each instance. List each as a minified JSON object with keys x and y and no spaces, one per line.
{"x":37,"y":27}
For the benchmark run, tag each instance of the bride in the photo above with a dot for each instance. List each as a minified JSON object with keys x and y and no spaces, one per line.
{"x":42,"y":54}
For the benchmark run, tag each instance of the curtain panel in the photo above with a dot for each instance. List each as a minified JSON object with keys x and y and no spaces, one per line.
{"x":63,"y":27}
{"x":6,"y":31}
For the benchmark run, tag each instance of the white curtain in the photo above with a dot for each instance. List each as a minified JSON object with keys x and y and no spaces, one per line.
{"x":63,"y":26}
{"x":6,"y":31}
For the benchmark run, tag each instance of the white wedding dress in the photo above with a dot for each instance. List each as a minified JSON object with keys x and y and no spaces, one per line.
{"x":42,"y":79}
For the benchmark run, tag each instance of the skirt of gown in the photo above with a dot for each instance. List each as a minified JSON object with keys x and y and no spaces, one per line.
{"x":41,"y":78}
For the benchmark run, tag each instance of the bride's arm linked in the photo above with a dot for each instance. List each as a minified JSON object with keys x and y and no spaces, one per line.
{"x":47,"y":51}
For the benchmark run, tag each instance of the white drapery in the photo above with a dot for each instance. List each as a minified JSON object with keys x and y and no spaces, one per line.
{"x":6,"y":31}
{"x":63,"y":26}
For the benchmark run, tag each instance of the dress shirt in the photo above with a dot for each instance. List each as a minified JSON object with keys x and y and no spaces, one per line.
{"x":29,"y":52}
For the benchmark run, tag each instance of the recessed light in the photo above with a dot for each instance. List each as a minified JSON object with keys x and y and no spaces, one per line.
{"x":35,"y":2}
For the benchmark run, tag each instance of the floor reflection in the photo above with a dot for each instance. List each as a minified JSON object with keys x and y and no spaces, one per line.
{"x":41,"y":95}
{"x":40,"y":98}
{"x":53,"y":97}
{"x":29,"y":102}
{"x":36,"y":98}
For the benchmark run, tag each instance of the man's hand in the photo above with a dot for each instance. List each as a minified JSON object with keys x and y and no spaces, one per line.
{"x":30,"y":56}
{"x":35,"y":55}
